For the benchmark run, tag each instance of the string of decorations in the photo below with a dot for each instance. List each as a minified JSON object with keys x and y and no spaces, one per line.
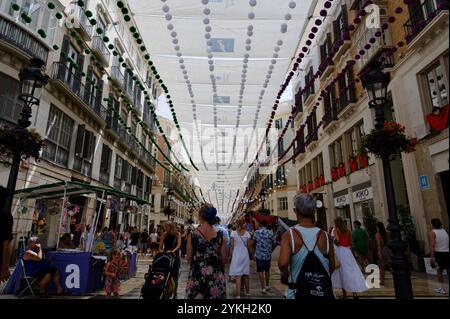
{"x":183,"y":68}
{"x":350,"y":63}
{"x":283,"y":29}
{"x":98,"y":64}
{"x":329,"y":59}
{"x":127,"y":17}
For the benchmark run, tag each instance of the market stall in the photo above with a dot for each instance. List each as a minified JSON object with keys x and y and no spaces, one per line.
{"x":81,"y":269}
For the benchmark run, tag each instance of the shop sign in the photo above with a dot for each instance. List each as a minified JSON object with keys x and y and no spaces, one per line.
{"x":424,"y":182}
{"x":341,"y":201}
{"x":363,"y":195}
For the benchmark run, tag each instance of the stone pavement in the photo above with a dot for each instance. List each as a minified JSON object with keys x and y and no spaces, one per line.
{"x":423,"y":285}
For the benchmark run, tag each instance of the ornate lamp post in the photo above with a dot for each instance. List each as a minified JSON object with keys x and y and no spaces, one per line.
{"x":32,"y":81}
{"x":376,"y":83}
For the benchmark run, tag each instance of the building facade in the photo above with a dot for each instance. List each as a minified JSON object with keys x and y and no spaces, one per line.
{"x":96,"y":115}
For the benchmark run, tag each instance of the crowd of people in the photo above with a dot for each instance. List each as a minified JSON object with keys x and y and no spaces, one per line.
{"x":313,"y":262}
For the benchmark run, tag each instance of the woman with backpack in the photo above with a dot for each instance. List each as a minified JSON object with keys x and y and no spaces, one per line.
{"x":306,"y":250}
{"x":348,"y":276}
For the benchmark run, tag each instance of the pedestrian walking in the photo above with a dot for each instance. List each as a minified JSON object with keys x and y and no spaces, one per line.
{"x":187,"y":229}
{"x":115,"y":267}
{"x":224,"y":230}
{"x":207,"y":256}
{"x":383,"y":251}
{"x":134,"y":239}
{"x":171,"y":243}
{"x":305,"y":250}
{"x":240,"y":251}
{"x":348,"y":276}
{"x":264,"y":242}
{"x":360,"y":240}
{"x":144,"y":239}
{"x":439,"y":252}
{"x":154,"y":245}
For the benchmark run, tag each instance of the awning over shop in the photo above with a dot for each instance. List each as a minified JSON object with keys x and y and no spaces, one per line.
{"x":72,"y":188}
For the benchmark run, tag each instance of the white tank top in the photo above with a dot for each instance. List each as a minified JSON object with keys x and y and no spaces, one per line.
{"x":441,"y":240}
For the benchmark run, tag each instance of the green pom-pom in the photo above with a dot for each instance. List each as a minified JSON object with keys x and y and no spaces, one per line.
{"x":124,"y":10}
{"x":110,"y":46}
{"x":87,"y":51}
{"x":58,"y":15}
{"x":51,"y":5}
{"x":15,"y":7}
{"x":80,"y":42}
{"x":115,"y":53}
{"x":93,"y":22}
{"x":99,"y":30}
{"x":105,"y":39}
{"x":121,"y":60}
{"x":136,"y":35}
{"x":83,"y":74}
{"x":139,"y":41}
{"x":89,"y":14}
{"x":133,"y":29}
{"x":124,"y":65}
{"x":157,"y":76}
{"x":80,"y":3}
{"x":42,"y":33}
{"x":160,"y":81}
{"x":120,"y":4}
{"x":142,"y":48}
{"x":109,"y":78}
{"x":147,"y":57}
{"x":55,"y":47}
{"x":127,"y":18}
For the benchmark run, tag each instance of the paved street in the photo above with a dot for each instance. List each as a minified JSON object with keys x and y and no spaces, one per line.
{"x":423,"y":285}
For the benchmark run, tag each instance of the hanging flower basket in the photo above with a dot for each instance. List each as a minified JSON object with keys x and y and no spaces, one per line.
{"x":387,"y":142}
{"x":15,"y":139}
{"x":362,"y":159}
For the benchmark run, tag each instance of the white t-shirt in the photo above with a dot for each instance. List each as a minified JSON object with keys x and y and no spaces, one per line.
{"x":154,"y":237}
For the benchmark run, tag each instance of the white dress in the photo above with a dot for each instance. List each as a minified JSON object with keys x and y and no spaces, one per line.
{"x":240,"y":261}
{"x":348,"y":276}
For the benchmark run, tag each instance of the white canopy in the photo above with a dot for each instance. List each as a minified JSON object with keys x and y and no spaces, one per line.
{"x":223,"y":62}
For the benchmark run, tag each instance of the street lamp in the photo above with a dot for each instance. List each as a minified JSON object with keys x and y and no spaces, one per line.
{"x":32,"y":81}
{"x":375,"y":83}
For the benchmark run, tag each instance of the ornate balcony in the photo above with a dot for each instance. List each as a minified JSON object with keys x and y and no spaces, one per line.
{"x":100,"y":50}
{"x":70,"y":81}
{"x":19,"y":38}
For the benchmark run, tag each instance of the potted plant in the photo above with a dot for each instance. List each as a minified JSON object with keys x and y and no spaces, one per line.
{"x":15,"y":139}
{"x":387,"y":142}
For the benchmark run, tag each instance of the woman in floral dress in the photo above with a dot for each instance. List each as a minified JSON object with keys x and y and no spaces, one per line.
{"x":207,"y":254}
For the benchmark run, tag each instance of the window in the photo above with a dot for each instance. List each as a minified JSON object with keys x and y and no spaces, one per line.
{"x":105,"y":164}
{"x":336,"y":153}
{"x":282,"y":203}
{"x":84,"y":150}
{"x":118,"y":172}
{"x":340,"y":25}
{"x":309,"y":78}
{"x":354,"y":138}
{"x":280,"y":175}
{"x":280,"y":147}
{"x":298,"y":102}
{"x":348,"y":93}
{"x":279,"y":124}
{"x":59,"y":131}
{"x":437,"y":86}
{"x":10,"y":106}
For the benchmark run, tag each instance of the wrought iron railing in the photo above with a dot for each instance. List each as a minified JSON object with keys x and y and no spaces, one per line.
{"x":422,"y":16}
{"x":13,"y":34}
{"x":72,"y":81}
{"x":99,"y":46}
{"x":83,"y":20}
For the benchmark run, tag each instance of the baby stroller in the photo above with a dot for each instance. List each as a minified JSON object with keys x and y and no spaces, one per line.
{"x":159,"y":282}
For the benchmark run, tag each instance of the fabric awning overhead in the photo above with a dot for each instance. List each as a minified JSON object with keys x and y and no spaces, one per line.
{"x":57,"y":190}
{"x":223,"y":62}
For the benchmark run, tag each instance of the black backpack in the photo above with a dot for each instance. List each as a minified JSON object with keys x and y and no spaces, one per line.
{"x":313,"y":281}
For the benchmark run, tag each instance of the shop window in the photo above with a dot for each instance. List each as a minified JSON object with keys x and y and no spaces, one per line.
{"x":59,"y":137}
